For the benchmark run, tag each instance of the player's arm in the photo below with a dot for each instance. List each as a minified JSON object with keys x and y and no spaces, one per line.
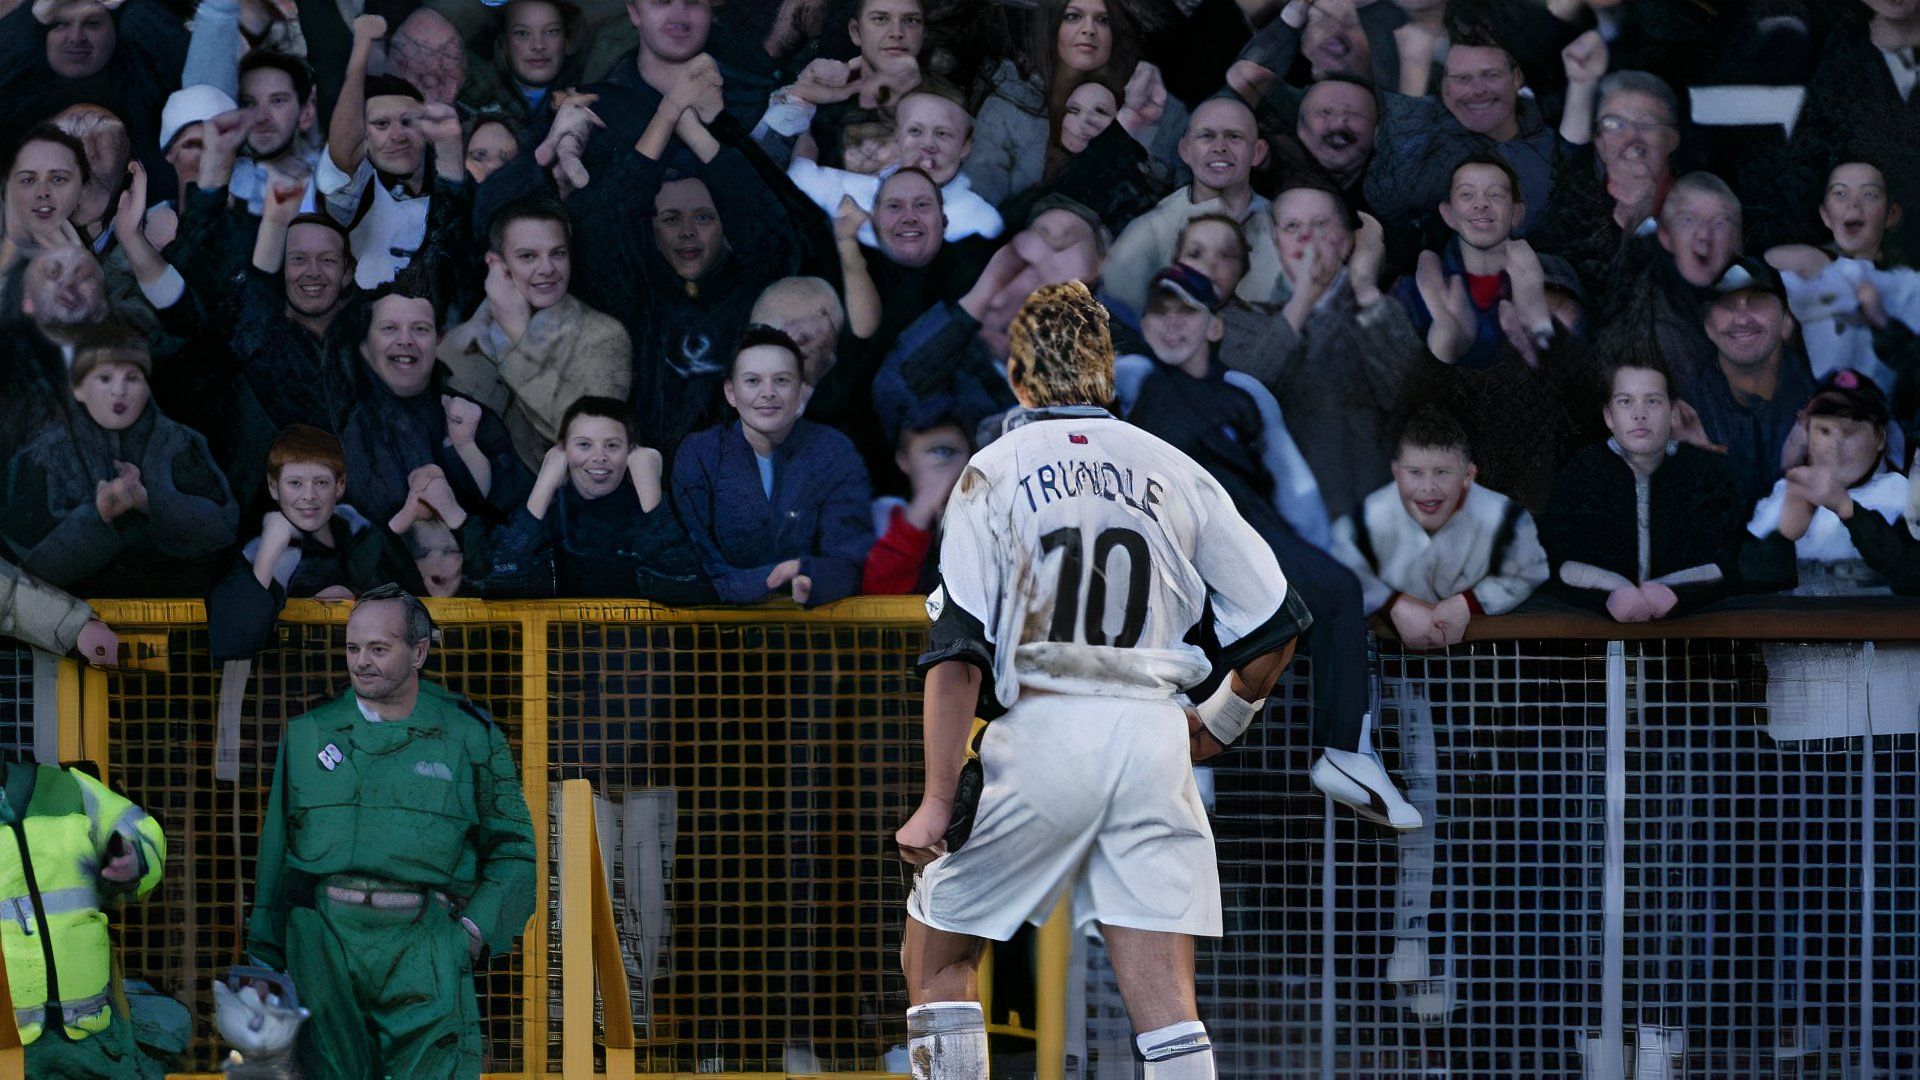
{"x":1215,"y":723}
{"x":953,"y":689}
{"x":1258,"y":619}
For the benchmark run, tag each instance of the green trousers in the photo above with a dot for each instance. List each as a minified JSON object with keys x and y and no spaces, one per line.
{"x":391,"y":993}
{"x":110,"y":1055}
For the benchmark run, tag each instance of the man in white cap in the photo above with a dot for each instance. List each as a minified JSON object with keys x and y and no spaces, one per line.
{"x":183,"y":129}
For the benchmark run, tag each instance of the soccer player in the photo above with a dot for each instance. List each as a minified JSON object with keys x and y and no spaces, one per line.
{"x":1078,"y":552}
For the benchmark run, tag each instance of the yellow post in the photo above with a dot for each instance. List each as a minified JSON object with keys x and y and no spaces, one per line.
{"x":66,"y":698}
{"x":576,"y":930}
{"x":93,"y":719}
{"x":533,"y":778}
{"x":1052,"y":957}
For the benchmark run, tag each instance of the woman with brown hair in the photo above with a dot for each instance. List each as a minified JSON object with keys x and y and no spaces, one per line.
{"x":1016,"y":142}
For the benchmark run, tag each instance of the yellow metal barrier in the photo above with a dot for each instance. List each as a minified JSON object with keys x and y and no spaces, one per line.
{"x":788,"y":741}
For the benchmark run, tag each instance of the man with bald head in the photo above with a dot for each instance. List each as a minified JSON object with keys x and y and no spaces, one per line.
{"x":1222,"y":146}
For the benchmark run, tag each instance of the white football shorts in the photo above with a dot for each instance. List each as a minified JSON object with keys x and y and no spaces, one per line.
{"x":1092,"y":794}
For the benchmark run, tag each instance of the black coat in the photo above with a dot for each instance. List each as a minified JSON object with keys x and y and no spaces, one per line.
{"x":1693,"y":518}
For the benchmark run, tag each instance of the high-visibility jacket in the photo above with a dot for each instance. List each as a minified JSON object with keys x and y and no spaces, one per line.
{"x":53,"y":932}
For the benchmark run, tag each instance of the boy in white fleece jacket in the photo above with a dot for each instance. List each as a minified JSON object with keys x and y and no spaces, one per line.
{"x":1433,"y":549}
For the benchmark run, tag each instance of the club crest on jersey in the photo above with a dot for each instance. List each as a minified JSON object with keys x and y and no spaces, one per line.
{"x":1076,"y":438}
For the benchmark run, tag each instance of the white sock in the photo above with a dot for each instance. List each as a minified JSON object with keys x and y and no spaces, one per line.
{"x":1365,"y":745}
{"x":947,"y":1040}
{"x":1179,"y":1051}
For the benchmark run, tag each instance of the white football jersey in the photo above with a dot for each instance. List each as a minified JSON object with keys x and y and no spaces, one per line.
{"x":1078,"y":551}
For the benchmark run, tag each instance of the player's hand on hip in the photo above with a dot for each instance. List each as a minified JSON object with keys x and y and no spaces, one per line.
{"x":922,"y":838}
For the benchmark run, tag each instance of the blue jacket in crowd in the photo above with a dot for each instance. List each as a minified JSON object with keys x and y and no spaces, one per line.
{"x":819,"y":512}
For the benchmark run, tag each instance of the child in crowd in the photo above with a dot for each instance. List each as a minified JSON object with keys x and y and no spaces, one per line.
{"x":932,"y":453}
{"x":1832,"y":526}
{"x":595,"y":523}
{"x":775,"y":504}
{"x":1642,"y":526}
{"x":1215,"y":245}
{"x":313,"y":545}
{"x":1433,"y":549}
{"x":116,"y":499}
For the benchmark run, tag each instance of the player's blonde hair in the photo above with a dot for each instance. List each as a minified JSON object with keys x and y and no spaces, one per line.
{"x":1059,"y":350}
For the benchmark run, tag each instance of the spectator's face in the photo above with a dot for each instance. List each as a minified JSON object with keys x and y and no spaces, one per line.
{"x":1894,"y":10}
{"x":1635,"y":136}
{"x":686,"y":226}
{"x":1336,"y":125}
{"x":400,"y":343}
{"x":114,"y":395}
{"x":1222,"y":145}
{"x":44,"y":187}
{"x":491,"y":147}
{"x":1481,"y":208}
{"x":766,"y":390}
{"x":1177,"y":331}
{"x":65,"y":287}
{"x":108,"y":151}
{"x":80,"y":39}
{"x":538,"y":260}
{"x":1060,"y":246}
{"x":307,"y":492}
{"x":184,"y":154}
{"x":1639,"y":413}
{"x":811,"y":328}
{"x":1702,"y":233}
{"x":379,"y":659}
{"x":672,"y":30}
{"x":934,"y":134}
{"x":536,"y":41}
{"x":1304,"y":218}
{"x":1336,"y":45}
{"x":933,"y":459}
{"x":596,"y":455}
{"x":908,"y":220}
{"x":1084,"y":41}
{"x":1748,"y":327}
{"x":393,"y":145}
{"x":278,"y":113}
{"x":889,"y":33}
{"x":1856,"y":208}
{"x":1481,"y":89}
{"x":1215,"y":249}
{"x":1090,"y":108}
{"x":426,"y":51}
{"x":1849,"y":449}
{"x":316,"y":269}
{"x":1432,"y":482}
{"x":437,"y":557}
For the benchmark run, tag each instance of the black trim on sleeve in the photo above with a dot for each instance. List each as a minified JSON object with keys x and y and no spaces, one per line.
{"x":959,"y":635}
{"x":1285,"y":625}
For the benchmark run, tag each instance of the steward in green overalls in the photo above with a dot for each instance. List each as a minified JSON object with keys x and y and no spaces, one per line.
{"x":70,"y":846}
{"x":397,"y":852}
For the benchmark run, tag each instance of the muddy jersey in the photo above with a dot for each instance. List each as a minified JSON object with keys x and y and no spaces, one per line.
{"x":1078,"y":552}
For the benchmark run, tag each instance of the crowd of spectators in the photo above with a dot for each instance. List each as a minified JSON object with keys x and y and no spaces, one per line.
{"x":701,"y":302}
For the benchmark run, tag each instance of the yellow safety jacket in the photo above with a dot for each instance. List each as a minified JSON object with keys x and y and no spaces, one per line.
{"x":55,"y":830}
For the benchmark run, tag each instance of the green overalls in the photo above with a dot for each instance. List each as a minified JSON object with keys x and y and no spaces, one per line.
{"x":429,"y":806}
{"x":55,"y":827}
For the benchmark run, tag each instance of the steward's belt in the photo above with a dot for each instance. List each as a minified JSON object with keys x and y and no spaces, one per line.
{"x":381,"y":895}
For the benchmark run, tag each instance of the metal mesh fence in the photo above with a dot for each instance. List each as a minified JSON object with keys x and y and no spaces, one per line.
{"x":789,"y":751}
{"x":1768,"y":921}
{"x":1692,"y":858}
{"x":16,"y":698}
